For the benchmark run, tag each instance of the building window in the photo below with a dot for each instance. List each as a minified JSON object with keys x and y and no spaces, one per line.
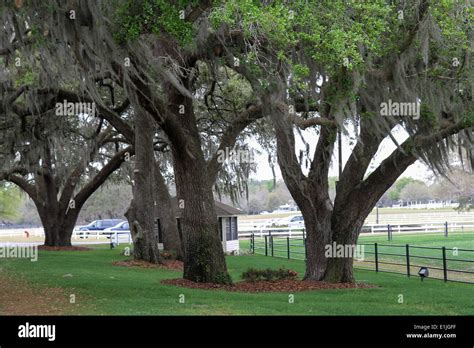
{"x":231,"y":228}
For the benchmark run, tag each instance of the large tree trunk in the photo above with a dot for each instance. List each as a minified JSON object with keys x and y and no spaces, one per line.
{"x":58,"y":220}
{"x":204,"y":259}
{"x":141,"y":213}
{"x":58,"y":228}
{"x":169,"y":228}
{"x":321,"y":237}
{"x":309,"y":192}
{"x":340,"y":269}
{"x":318,"y":235}
{"x":51,"y":232}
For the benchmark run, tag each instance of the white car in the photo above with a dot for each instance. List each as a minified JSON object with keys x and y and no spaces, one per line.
{"x":120,"y":228}
{"x":296,"y":221}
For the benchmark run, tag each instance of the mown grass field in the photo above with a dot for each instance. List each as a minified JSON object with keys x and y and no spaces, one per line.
{"x":382,"y":212}
{"x":104,"y":289}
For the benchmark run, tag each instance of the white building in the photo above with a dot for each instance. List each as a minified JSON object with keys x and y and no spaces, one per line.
{"x":227,"y":217}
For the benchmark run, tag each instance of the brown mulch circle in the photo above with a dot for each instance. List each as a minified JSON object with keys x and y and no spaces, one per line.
{"x":62,"y":248}
{"x":174,"y":265}
{"x":283,"y":285}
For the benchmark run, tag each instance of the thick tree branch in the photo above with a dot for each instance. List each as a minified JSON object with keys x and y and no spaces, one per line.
{"x":230,"y":135}
{"x":102,"y":175}
{"x":358,"y":162}
{"x":75,"y":176}
{"x":380,"y":180}
{"x":22,"y":183}
{"x":287,"y":159}
{"x":112,"y":117}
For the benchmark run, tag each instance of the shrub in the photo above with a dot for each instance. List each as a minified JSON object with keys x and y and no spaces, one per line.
{"x":254,"y":274}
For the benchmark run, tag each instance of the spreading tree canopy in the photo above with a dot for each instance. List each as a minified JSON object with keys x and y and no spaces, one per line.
{"x":204,"y":71}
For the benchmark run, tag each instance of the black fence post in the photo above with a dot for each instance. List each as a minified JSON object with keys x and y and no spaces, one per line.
{"x":376,"y":257}
{"x":266,"y":245}
{"x":288,"y":246}
{"x":446,"y":229}
{"x":389,"y":232}
{"x":271,"y":243}
{"x":445,"y":268}
{"x":252,"y":243}
{"x":408,"y":259}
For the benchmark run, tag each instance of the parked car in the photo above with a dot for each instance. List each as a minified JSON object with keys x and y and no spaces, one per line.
{"x":293,"y":221}
{"x":97,"y":225}
{"x":100,"y":225}
{"x":121,"y":227}
{"x":296,"y":221}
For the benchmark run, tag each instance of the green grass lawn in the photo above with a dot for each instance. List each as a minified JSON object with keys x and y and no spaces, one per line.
{"x":102,"y":288}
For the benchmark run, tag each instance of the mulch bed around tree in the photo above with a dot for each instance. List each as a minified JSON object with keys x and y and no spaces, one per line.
{"x":174,"y":265}
{"x":284,"y":285}
{"x":63,"y":248}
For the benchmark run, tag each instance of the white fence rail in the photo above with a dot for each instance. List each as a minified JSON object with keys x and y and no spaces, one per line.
{"x":84,"y":237}
{"x":367,"y":229}
{"x":36,"y":231}
{"x":99,"y":237}
{"x":116,"y":236}
{"x":274,"y":231}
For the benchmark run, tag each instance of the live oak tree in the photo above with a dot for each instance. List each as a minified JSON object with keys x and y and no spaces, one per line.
{"x":45,"y":67}
{"x":333,"y":65}
{"x":325,"y":64}
{"x":148,"y":50}
{"x":59,"y":161}
{"x":174,"y":109}
{"x":54,"y":147}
